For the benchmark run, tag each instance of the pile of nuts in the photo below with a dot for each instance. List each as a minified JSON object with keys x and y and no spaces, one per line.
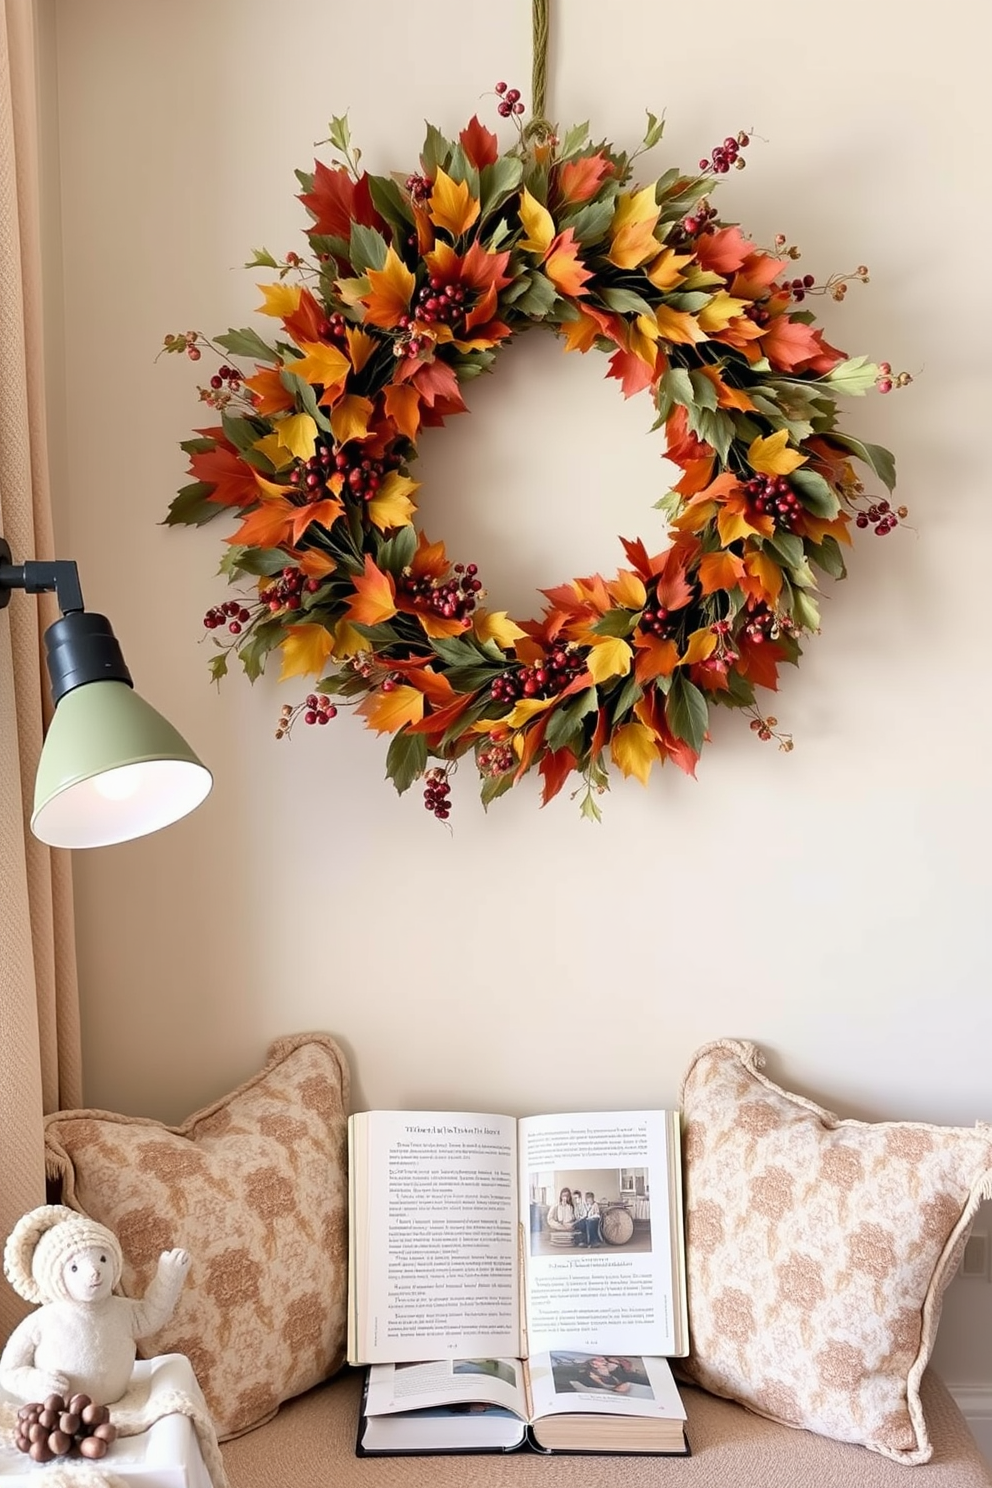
{"x":56,"y":1428}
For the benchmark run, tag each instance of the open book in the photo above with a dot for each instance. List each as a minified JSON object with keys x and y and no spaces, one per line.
{"x":562,"y":1401}
{"x":479,"y":1236}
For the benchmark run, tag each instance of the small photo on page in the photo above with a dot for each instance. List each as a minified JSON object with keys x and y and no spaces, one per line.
{"x":582,"y":1211}
{"x":600,"y":1374}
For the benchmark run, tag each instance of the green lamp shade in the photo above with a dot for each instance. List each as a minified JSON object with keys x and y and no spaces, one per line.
{"x":112,"y":769}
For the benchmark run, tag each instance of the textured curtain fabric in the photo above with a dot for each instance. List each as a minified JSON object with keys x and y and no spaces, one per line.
{"x":39,"y":1022}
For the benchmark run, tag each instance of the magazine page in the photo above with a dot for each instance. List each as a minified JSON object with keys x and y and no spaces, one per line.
{"x":565,"y":1380}
{"x":433,"y":1266}
{"x":603,"y":1249}
{"x":405,"y":1387}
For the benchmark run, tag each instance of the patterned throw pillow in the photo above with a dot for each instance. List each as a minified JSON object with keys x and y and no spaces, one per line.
{"x":818,"y":1251}
{"x":255,"y":1188}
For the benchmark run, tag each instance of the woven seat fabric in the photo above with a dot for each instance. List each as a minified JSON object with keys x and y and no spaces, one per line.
{"x":311,"y":1444}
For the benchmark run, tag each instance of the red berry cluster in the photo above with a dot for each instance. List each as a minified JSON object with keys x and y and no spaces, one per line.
{"x":420,"y":188}
{"x":799,"y":287}
{"x":437,"y":793}
{"x":496,"y":759}
{"x":335,"y":328}
{"x":58,"y":1427}
{"x":185,"y":342}
{"x":437,"y":301}
{"x":362,"y":476}
{"x":318,"y":708}
{"x":656,"y":620}
{"x":285,"y":592}
{"x":541,"y":679}
{"x":230,"y":613}
{"x":881,"y":516}
{"x":509,"y":101}
{"x":885,"y":381}
{"x":772,"y":496}
{"x":762,"y":727}
{"x":310,"y":476}
{"x":722,"y":157}
{"x":455,"y":599}
{"x":699,"y":220}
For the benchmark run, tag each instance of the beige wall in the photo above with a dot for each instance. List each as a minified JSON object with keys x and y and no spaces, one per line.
{"x":831,"y":904}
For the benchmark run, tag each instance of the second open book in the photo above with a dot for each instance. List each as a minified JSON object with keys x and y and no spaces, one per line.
{"x":483,"y":1236}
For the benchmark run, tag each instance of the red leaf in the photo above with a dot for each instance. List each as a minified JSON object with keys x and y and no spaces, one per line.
{"x":633,"y":374}
{"x":578,"y":180}
{"x":759,"y":663}
{"x":307,"y":320}
{"x":555,"y":768}
{"x":233,"y":481}
{"x":337,"y":201}
{"x":724,"y":252}
{"x":479,"y":143}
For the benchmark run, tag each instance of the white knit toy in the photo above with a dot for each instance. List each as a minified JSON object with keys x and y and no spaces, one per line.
{"x":82,"y":1339}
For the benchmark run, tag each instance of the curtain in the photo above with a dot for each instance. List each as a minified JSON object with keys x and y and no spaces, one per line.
{"x":39,"y":1017}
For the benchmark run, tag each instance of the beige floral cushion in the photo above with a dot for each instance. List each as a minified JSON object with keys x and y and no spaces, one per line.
{"x":818,"y":1251}
{"x":255,"y":1189}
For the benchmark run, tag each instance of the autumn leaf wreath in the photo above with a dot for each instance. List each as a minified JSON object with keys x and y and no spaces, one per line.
{"x":410,"y":288}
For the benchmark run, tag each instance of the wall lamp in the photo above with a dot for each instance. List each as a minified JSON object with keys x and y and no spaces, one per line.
{"x":111,"y":767}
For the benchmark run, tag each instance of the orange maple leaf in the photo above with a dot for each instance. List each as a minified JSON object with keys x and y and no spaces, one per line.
{"x":578,"y":180}
{"x":724,"y":252}
{"x":632,"y":373}
{"x":271,"y":395}
{"x":563,"y":265}
{"x":402,"y":403}
{"x":307,"y":321}
{"x":222,"y":467}
{"x":392,"y":286}
{"x":655,"y":657}
{"x":388,"y":712}
{"x":375,"y":596}
{"x":452,"y":207}
{"x":793,"y":346}
{"x":720,"y":570}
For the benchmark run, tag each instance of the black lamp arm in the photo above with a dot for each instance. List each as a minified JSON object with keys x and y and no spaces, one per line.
{"x":62,"y":577}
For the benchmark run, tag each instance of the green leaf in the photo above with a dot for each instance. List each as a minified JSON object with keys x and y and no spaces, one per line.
{"x":471,"y":678}
{"x":538,"y":299}
{"x":405,"y":759}
{"x":240,"y":431}
{"x":574,"y":140}
{"x":717,"y":429}
{"x":616,"y":622}
{"x":462,"y":170}
{"x":498,"y":181}
{"x":817,"y":496}
{"x":261,"y":258}
{"x":873,"y":455}
{"x":436,"y":152}
{"x":247,"y":343}
{"x":396,"y":553}
{"x":495,"y":785}
{"x":686,"y":712}
{"x":263,"y":562}
{"x":705,"y":392}
{"x":678,"y":385}
{"x":256,"y":648}
{"x":630,"y":693}
{"x":655,"y":129}
{"x":565,"y":722}
{"x":828,"y":556}
{"x":626,"y":302}
{"x":805,"y":611}
{"x":218,"y":666}
{"x":197,"y":446}
{"x":192,"y":507}
{"x":367,"y":248}
{"x":456,"y":652}
{"x":340,"y":133}
{"x":591,"y":221}
{"x":589,"y":810}
{"x":787,"y":547}
{"x":305,"y":396}
{"x":392,"y":205}
{"x":854,"y":376}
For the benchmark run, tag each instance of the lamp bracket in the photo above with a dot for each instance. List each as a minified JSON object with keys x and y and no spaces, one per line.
{"x":62,"y":577}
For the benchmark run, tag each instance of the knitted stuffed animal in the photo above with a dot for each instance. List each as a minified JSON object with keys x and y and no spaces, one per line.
{"x":82,"y":1339}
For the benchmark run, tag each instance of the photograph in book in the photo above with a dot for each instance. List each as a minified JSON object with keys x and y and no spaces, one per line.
{"x":477,"y":1236}
{"x":566,"y":1401}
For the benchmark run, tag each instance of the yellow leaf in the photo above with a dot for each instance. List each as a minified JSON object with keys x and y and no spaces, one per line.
{"x":453,"y":207}
{"x":524,"y":711}
{"x":277,"y":456}
{"x":350,"y":419}
{"x":320,"y":365}
{"x":391,"y":505}
{"x":390,"y":289}
{"x":281,"y":300}
{"x":634,"y":750}
{"x":665,"y":272}
{"x":678,"y":326}
{"x":718,"y":312}
{"x":634,"y":244}
{"x":733,"y":525}
{"x":719,"y":570}
{"x":360,"y":346}
{"x":388,"y":712}
{"x":538,"y":224}
{"x":352,"y":291}
{"x":767,"y":572}
{"x":642,"y":338}
{"x":347,"y":640}
{"x":494,"y":625}
{"x":633,"y":207}
{"x":702,"y":643}
{"x":770,"y":457}
{"x":298,"y":434}
{"x":610,"y":656}
{"x":304,"y":650}
{"x":628,"y":591}
{"x":375,"y":596}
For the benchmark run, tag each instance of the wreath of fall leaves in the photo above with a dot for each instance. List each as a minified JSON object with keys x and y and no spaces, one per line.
{"x":410,"y":287}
